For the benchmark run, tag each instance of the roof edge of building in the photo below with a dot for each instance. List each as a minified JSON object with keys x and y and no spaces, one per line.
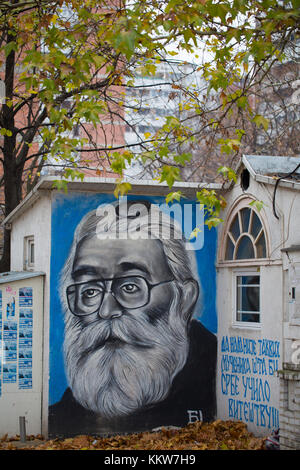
{"x":105,"y":185}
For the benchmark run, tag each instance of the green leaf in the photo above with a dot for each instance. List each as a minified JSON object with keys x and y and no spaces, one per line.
{"x":257,"y":204}
{"x":213,"y":222}
{"x":121,"y":189}
{"x":6,"y":132}
{"x":195,"y":233}
{"x":183,"y":158}
{"x":10,"y":46}
{"x":259,"y":120}
{"x":61,"y":185}
{"x":228,"y":173}
{"x":174,"y":196}
{"x":169,"y":174}
{"x":125,"y":42}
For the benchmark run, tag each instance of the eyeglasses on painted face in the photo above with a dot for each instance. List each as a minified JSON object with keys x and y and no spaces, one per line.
{"x":131,"y":292}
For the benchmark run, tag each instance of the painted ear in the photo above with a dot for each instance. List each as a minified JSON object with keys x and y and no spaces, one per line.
{"x":190,"y":293}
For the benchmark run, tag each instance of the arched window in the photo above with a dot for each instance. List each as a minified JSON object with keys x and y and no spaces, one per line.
{"x":244,"y":249}
{"x":245,"y":238}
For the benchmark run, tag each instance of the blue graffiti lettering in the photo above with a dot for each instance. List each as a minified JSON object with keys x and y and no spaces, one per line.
{"x":249,"y":346}
{"x":235,"y":364}
{"x":229,"y":384}
{"x":273,"y":366}
{"x":225,"y":344}
{"x":259,"y":366}
{"x":259,"y":414}
{"x":236,"y":344}
{"x":260,"y":390}
{"x":242,"y":345}
{"x":268,"y":348}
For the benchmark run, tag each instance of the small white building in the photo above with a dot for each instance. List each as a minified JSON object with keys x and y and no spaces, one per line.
{"x":258,"y":273}
{"x":248,"y":273}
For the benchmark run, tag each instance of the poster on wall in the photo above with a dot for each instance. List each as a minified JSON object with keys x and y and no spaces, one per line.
{"x":9,"y":373}
{"x":9,"y":351}
{"x":11,"y":308}
{"x":25,"y":297}
{"x":16,"y":331}
{"x":25,"y":338}
{"x":133,"y":329}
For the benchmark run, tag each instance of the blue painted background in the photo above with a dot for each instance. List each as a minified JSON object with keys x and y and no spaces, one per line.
{"x":67,"y":212}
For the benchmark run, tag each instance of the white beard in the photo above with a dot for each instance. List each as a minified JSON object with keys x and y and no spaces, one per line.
{"x":117,"y":379}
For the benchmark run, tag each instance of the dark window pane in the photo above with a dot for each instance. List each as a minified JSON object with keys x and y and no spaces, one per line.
{"x":245,"y":249}
{"x":261,"y":247}
{"x":247,"y":299}
{"x":235,"y":228}
{"x":229,"y":249}
{"x":32,"y":253}
{"x":245,"y":214}
{"x":250,"y":317}
{"x":248,"y":280}
{"x":256,"y":225}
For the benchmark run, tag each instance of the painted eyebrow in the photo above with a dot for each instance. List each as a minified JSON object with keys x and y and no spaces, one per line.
{"x":81,"y":270}
{"x":127,"y":266}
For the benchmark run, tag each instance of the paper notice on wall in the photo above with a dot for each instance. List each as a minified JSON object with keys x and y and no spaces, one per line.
{"x":9,"y":351}
{"x":9,"y":373}
{"x":16,"y":332}
{"x":25,"y":297}
{"x":25,"y":337}
{"x":10,"y":329}
{"x":11,"y":308}
{"x":25,"y":373}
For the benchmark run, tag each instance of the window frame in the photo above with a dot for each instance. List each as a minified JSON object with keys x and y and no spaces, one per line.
{"x":254,"y":238}
{"x":239,"y":323}
{"x":241,"y":203}
{"x":28,"y":263}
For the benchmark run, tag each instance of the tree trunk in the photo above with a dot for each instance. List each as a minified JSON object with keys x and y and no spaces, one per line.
{"x":5,"y":260}
{"x":13,"y":196}
{"x":12,"y":174}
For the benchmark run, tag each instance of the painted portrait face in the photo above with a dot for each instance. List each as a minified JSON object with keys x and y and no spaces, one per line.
{"x":129,"y":274}
{"x":126,"y":325}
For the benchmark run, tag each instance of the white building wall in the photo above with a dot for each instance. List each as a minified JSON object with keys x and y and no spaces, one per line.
{"x":36,"y":221}
{"x":290,"y":372}
{"x":247,"y":381}
{"x":21,"y":377}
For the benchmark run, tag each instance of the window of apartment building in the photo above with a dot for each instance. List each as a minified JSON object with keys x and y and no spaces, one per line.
{"x":29,"y":253}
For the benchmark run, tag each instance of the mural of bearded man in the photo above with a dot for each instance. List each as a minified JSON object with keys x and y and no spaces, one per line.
{"x":135,"y":358}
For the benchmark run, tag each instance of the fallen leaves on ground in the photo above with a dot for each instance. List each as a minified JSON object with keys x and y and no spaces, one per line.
{"x":218,"y":435}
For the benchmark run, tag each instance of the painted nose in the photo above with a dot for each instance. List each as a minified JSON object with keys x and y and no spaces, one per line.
{"x":109,"y":308}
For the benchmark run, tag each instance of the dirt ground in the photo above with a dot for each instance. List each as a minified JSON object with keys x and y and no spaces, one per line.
{"x":219,"y":435}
